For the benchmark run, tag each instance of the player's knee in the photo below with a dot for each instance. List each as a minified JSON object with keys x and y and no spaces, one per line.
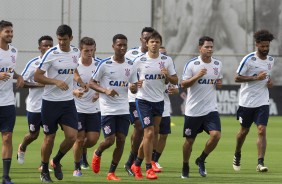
{"x":34,"y":135}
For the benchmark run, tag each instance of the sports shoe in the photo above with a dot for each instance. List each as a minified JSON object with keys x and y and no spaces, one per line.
{"x":57,"y":170}
{"x":155,"y":168}
{"x":202,"y":168}
{"x":45,"y":177}
{"x":20,"y":155}
{"x":84,"y":165}
{"x":261,"y":168}
{"x":6,"y":180}
{"x":77,"y":173}
{"x":185,"y":173}
{"x":112,"y":176}
{"x":236,"y":163}
{"x":137,"y":171}
{"x":96,"y":163}
{"x":158,"y":165}
{"x":128,"y":170}
{"x":150,"y":174}
{"x":40,"y":169}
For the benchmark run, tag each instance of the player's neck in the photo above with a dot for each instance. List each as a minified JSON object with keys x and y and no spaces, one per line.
{"x":86,"y":62}
{"x":206,"y":59}
{"x":262,"y":57}
{"x":4,"y":45}
{"x":153,"y":55}
{"x":118,"y":59}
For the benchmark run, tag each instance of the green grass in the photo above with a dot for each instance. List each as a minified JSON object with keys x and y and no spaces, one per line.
{"x":219,"y":162}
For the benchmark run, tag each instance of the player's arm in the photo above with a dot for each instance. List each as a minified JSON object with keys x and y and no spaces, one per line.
{"x":189,"y":82}
{"x":96,"y":86}
{"x":241,"y":78}
{"x":173,"y":79}
{"x":32,"y":85}
{"x":20,"y":80}
{"x":133,"y":88}
{"x":78,"y":79}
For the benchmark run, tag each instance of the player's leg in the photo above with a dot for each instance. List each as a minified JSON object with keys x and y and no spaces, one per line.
{"x":77,"y":151}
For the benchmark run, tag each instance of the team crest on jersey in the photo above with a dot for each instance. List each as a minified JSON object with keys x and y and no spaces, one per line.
{"x":162,"y":64}
{"x":55,"y":52}
{"x":163,"y":57}
{"x":37,"y":63}
{"x":13,"y":59}
{"x":107,"y":129}
{"x":109,"y":62}
{"x":187,"y":131}
{"x":197,"y":63}
{"x":135,"y":52}
{"x":253,"y":58}
{"x":215,"y":71}
{"x":216,"y":62}
{"x":269,"y":66}
{"x":146,"y":120}
{"x":143,"y":59}
{"x":74,"y":59}
{"x":75,"y":49}
{"x":127,"y":72}
{"x":13,"y":50}
{"x":270,"y":58}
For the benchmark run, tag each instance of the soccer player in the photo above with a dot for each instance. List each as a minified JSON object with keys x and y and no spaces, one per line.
{"x":88,"y":108}
{"x":114,"y":75}
{"x":137,"y":135}
{"x":8,"y":56}
{"x":201,"y":76}
{"x":154,"y":71}
{"x":56,"y":72}
{"x":254,"y":75}
{"x":34,"y":99}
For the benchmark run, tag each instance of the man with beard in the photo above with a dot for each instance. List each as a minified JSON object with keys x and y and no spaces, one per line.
{"x":254,"y":75}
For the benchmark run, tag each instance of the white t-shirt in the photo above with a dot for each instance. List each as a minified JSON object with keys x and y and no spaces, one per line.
{"x":149,"y":70}
{"x":117,"y":76}
{"x":34,"y":98}
{"x":254,"y":93}
{"x":85,"y":104}
{"x":7,"y":64}
{"x":167,"y":104}
{"x":61,"y":66}
{"x":201,"y":96}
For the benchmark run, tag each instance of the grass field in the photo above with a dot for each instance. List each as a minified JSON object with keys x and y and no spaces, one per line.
{"x":219,"y":163}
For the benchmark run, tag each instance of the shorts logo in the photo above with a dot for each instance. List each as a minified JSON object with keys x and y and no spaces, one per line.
{"x":241,"y":120}
{"x":31,"y":127}
{"x":45,"y":128}
{"x":107,"y":129}
{"x":79,"y":126}
{"x":135,"y":114}
{"x":146,"y":120}
{"x":187,"y":131}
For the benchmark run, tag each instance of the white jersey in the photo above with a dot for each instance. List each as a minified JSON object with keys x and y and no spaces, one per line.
{"x":254,"y":93}
{"x":61,"y":66}
{"x":85,"y":104}
{"x":34,"y":98}
{"x":201,"y":96}
{"x":7,"y":64}
{"x":149,"y":70}
{"x":132,"y":54}
{"x":167,"y":104}
{"x":117,"y":76}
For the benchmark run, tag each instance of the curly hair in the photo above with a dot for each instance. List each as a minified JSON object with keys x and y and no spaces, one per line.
{"x":263,"y":35}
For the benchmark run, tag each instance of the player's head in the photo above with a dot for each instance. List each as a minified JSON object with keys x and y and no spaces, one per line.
{"x":87,"y":47}
{"x":6,"y":31}
{"x":146,"y":31}
{"x":263,"y":39}
{"x":44,"y":43}
{"x":64,"y":36}
{"x":154,"y":42}
{"x":162,"y":50}
{"x":120,"y":45}
{"x":206,"y":46}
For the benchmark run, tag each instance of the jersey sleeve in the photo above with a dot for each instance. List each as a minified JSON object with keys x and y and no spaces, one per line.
{"x":46,"y":61}
{"x":171,"y":67}
{"x":99,"y":72}
{"x":187,"y":72}
{"x":243,"y":67}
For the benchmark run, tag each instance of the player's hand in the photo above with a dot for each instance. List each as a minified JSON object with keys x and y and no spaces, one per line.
{"x":4,"y":76}
{"x":20,"y":82}
{"x":111,"y":92}
{"x":133,"y":88}
{"x":62,"y":85}
{"x":140,"y":83}
{"x":85,"y":87}
{"x":78,"y":92}
{"x":95,"y":97}
{"x":269,"y":83}
{"x":261,"y":76}
{"x":164,"y":72}
{"x":172,"y":90}
{"x":201,"y":73}
{"x":218,"y":83}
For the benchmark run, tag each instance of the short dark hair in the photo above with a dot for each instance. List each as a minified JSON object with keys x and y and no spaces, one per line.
{"x":64,"y":30}
{"x":263,"y":35}
{"x":119,"y":36}
{"x":4,"y":23}
{"x":86,"y":41}
{"x":155,"y":35}
{"x":147,"y":29}
{"x":203,"y":39}
{"x":45,"y":37}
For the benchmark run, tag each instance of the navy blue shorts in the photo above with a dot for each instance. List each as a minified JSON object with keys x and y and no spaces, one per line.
{"x":195,"y":125}
{"x":112,"y":124}
{"x":247,"y":116}
{"x":54,"y":113}
{"x":147,"y":110}
{"x":165,"y":125}
{"x":34,"y":121}
{"x":7,"y":118}
{"x":133,"y":112}
{"x":89,"y":122}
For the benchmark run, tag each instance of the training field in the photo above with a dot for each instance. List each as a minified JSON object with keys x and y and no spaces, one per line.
{"x":219,"y":163}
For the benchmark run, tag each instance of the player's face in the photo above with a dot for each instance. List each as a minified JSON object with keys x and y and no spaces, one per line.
{"x":154,"y":45}
{"x":45,"y":45}
{"x":120,"y":47}
{"x":6,"y":34}
{"x":87,"y":52}
{"x":143,"y":38}
{"x":64,"y":42}
{"x":206,"y":50}
{"x":263,"y":47}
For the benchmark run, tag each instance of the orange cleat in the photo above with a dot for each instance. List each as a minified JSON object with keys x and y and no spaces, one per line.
{"x":137,"y":171}
{"x":155,"y":167}
{"x":150,"y":174}
{"x":96,"y":163}
{"x":112,"y":176}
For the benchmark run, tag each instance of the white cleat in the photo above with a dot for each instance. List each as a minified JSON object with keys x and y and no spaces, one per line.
{"x":158,"y":165}
{"x":236,"y":163}
{"x":261,"y":168}
{"x":20,"y":155}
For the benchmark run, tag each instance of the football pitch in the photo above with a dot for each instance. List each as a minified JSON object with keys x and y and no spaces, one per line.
{"x":218,"y":164}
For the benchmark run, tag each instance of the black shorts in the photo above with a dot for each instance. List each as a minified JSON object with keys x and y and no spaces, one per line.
{"x":165,"y":125}
{"x":7,"y":118}
{"x":112,"y":124}
{"x":89,"y":122}
{"x":34,"y":121}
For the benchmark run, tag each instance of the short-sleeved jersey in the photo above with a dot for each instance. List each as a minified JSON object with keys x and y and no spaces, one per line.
{"x":85,"y":104}
{"x":254,"y":93}
{"x":117,"y":76}
{"x":34,"y":98}
{"x":7,"y":64}
{"x":149,"y":70}
{"x":201,"y":96}
{"x":61,"y":66}
{"x":167,"y":103}
{"x":132,"y":54}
